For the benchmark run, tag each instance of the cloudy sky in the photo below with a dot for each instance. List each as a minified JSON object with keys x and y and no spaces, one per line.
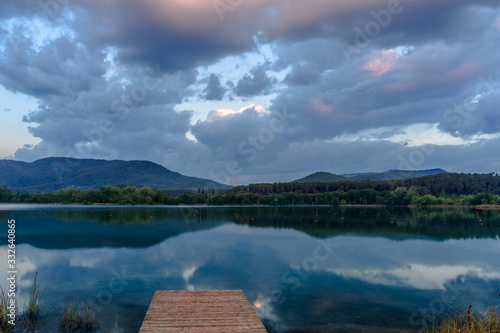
{"x":248,"y":91}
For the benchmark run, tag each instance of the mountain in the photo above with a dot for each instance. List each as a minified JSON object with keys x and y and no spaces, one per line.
{"x":394,"y":174}
{"x":320,"y":177}
{"x":54,"y":173}
{"x":387,"y":175}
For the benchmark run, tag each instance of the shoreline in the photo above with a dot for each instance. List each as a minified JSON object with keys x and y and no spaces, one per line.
{"x":481,"y":207}
{"x":488,"y":207}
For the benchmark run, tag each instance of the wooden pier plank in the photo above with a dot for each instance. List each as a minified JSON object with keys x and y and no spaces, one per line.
{"x":201,"y":311}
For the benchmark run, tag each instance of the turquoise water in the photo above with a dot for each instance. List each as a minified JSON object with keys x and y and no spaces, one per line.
{"x":305,"y":269}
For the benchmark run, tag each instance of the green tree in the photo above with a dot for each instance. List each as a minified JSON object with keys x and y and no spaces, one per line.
{"x":6,"y":194}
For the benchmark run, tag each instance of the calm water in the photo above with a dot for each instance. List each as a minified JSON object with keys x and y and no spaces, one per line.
{"x":305,"y":269}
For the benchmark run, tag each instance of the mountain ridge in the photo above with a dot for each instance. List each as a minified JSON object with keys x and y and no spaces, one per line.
{"x":393,"y":174}
{"x":320,"y":176}
{"x":54,"y":173}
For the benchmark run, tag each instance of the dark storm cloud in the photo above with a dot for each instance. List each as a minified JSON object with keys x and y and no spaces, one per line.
{"x":387,"y":88}
{"x":223,"y":134}
{"x":439,"y":63}
{"x":471,"y":117}
{"x":84,"y":113}
{"x":10,"y":9}
{"x":59,"y":68}
{"x":171,"y":34}
{"x":104,"y":118}
{"x":214,"y":90}
{"x":386,"y":23}
{"x":111,"y":75}
{"x":254,"y":84}
{"x":302,"y":75}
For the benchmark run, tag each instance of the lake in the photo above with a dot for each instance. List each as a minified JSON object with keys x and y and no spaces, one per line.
{"x":304,"y":269}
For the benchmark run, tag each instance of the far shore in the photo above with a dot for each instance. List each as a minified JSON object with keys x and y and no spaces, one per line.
{"x":482,"y":207}
{"x":488,"y":207}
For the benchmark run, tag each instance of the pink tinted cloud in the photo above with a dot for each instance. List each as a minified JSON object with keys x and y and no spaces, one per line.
{"x":222,"y":113}
{"x":432,"y":65}
{"x":465,"y":71}
{"x":382,"y":62}
{"x":245,"y":15}
{"x":321,"y":108}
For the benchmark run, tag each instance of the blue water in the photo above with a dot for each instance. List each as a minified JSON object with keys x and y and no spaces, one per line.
{"x":305,"y":269}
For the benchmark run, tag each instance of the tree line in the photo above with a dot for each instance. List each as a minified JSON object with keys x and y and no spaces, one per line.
{"x":441,"y":189}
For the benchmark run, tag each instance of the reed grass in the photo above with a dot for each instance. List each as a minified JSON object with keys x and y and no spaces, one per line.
{"x":33,"y":310}
{"x":74,"y":316}
{"x":4,"y":319}
{"x":469,"y":321}
{"x":78,"y":316}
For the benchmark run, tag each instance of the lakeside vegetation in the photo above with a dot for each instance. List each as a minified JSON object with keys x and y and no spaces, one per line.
{"x":441,"y":189}
{"x":74,"y":316}
{"x":468,"y":321}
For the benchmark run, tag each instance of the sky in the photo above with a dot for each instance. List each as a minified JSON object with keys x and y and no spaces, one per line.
{"x":242,"y":91}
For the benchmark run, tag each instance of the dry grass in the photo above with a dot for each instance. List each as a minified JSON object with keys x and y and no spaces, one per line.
{"x":468,"y":321}
{"x":73,"y":317}
{"x":30,"y":315}
{"x":4,"y":319}
{"x":78,"y":317}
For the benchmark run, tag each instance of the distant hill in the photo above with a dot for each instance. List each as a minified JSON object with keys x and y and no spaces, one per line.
{"x":54,"y":173}
{"x":394,"y":174}
{"x":320,"y":177}
{"x":387,"y":175}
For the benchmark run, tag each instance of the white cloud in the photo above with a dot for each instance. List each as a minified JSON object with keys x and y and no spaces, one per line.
{"x":414,"y":135}
{"x":424,"y":134}
{"x":417,"y":276}
{"x":221,"y":113}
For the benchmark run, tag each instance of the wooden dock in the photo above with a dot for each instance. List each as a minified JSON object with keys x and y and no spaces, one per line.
{"x":204,"y":311}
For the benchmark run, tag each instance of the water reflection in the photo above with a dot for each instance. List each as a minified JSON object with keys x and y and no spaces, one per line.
{"x":304,"y":269}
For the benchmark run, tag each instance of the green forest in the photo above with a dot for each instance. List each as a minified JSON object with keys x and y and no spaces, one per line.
{"x":441,"y":189}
